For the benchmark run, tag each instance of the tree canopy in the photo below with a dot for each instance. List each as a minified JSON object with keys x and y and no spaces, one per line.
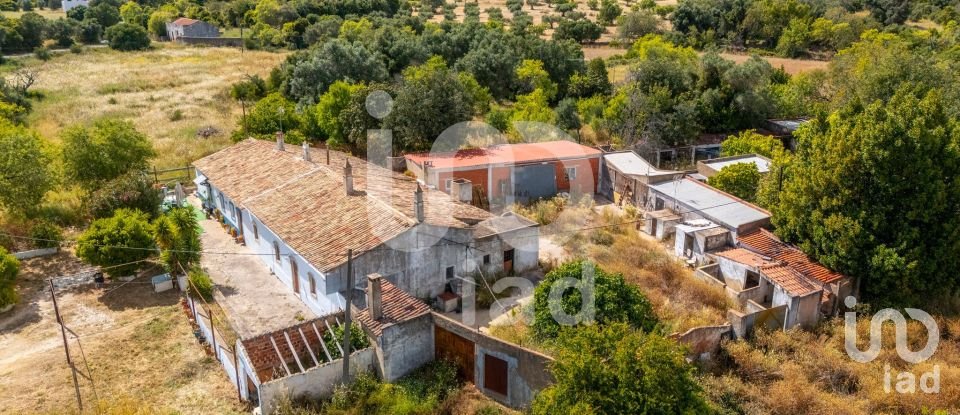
{"x":118,"y":242}
{"x":614,"y":369}
{"x":9,"y":268}
{"x":741,"y":180}
{"x":874,"y":192}
{"x":105,"y":151}
{"x":25,"y":175}
{"x":614,"y":299}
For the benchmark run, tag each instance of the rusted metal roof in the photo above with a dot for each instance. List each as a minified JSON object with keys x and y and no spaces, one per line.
{"x":766,"y":243}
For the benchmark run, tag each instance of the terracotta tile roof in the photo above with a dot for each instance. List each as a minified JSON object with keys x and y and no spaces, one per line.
{"x":766,"y":243}
{"x":398,"y":307}
{"x":506,"y":154}
{"x":744,"y":256}
{"x":183,"y":21}
{"x":789,"y":279}
{"x":306,"y":205}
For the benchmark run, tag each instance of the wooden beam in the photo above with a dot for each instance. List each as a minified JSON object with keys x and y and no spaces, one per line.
{"x":322,"y":344}
{"x":293,"y":351}
{"x":309,"y":349}
{"x":280,"y":356}
{"x":334,"y":335}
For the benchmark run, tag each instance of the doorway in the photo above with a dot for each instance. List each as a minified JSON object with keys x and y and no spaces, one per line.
{"x":294,"y":276}
{"x":508,"y":261}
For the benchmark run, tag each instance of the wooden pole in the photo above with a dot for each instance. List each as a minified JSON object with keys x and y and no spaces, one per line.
{"x":347,"y":337}
{"x":66,"y":346}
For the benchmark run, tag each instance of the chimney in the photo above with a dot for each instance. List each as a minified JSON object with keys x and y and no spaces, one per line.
{"x":306,"y":151}
{"x":418,"y":204}
{"x":348,"y":177}
{"x":280,"y":140}
{"x":374,"y":296}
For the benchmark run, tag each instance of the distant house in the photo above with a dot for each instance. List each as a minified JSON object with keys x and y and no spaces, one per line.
{"x":71,"y":4}
{"x":508,"y":173}
{"x":184,"y":27}
{"x":784,"y":129}
{"x":709,"y":168}
{"x":625,"y":177}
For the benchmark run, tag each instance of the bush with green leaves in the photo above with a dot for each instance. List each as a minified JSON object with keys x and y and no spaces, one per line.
{"x":109,"y":149}
{"x":119,"y":243}
{"x":200,"y":283}
{"x":46,"y":235}
{"x":615,"y":369}
{"x":9,"y":268}
{"x":614,"y":300}
{"x":178,"y":236}
{"x":133,"y":190}
{"x":25,"y":173}
{"x":126,"y":36}
{"x":741,"y":180}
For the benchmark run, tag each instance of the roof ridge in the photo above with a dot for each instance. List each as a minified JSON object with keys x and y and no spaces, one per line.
{"x":751,"y":205}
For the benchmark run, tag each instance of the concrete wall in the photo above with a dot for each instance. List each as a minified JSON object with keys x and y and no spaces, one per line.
{"x":404,"y":347}
{"x":527,"y":370}
{"x":743,"y":323}
{"x":35,"y":253}
{"x":704,"y":341}
{"x":734,"y":273}
{"x":211,"y":41}
{"x":316,"y":383}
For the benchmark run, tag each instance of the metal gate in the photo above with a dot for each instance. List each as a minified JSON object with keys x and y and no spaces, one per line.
{"x":534,"y":182}
{"x":457,"y":349}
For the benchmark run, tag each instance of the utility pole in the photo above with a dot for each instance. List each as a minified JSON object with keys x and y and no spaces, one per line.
{"x":346,"y":318}
{"x":66,"y":346}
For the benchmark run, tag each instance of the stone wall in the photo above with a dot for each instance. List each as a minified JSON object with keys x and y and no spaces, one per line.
{"x":704,"y":342}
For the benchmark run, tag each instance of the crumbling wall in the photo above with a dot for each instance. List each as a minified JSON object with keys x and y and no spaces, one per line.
{"x":405,"y":346}
{"x":315,"y":383}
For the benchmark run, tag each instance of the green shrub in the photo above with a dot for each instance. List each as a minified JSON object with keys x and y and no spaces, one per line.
{"x":127,"y":228}
{"x":201,"y":283}
{"x":76,"y":48}
{"x":126,"y":36}
{"x":46,"y":235}
{"x":9,"y":268}
{"x":133,"y":190}
{"x":614,"y":300}
{"x":42,"y":53}
{"x":358,"y":340}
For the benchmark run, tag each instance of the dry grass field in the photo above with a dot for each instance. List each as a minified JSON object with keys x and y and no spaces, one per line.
{"x":136,"y":345}
{"x":169,"y":92}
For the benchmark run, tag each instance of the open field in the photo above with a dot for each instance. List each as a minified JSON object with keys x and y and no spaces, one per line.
{"x":169,"y":92}
{"x":45,"y":13}
{"x":138,"y":346}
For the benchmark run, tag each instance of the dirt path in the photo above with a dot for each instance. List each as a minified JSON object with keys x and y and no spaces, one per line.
{"x":137,"y":347}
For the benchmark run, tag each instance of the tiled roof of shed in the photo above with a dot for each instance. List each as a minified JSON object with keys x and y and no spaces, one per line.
{"x":184,"y":21}
{"x":744,"y":256}
{"x":398,"y":307}
{"x":306,"y":204}
{"x":789,"y":279}
{"x":766,"y":243}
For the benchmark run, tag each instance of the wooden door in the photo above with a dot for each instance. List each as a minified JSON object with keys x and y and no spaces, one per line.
{"x":456,"y":349}
{"x":495,"y":375}
{"x":294,"y":277}
{"x":508,"y":261}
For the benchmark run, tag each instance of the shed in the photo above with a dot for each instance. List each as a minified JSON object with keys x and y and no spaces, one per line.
{"x":692,"y":200}
{"x":625,"y":176}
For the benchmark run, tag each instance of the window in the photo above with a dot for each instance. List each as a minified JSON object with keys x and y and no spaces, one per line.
{"x":233,"y":210}
{"x":753,"y":280}
{"x":447,"y":183}
{"x":294,"y":275}
{"x":313,"y":284}
{"x":222,"y":203}
{"x":450,"y":273}
{"x":571,"y":173}
{"x":256,"y":231}
{"x":276,"y":251}
{"x":486,"y":259}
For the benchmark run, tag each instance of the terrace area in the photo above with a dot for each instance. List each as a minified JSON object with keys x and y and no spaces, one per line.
{"x":254,"y":300}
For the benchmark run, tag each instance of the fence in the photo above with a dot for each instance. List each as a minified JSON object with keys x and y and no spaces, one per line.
{"x":171,"y":176}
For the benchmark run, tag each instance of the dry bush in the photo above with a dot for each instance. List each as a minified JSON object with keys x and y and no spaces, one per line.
{"x":809,"y":372}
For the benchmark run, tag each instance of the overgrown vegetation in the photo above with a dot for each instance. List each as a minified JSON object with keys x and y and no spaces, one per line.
{"x":9,"y":268}
{"x":426,"y":391}
{"x":119,"y":243}
{"x":201,"y":283}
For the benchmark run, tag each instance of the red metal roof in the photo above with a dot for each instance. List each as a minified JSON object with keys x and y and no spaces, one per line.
{"x":506,"y":154}
{"x":766,"y":243}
